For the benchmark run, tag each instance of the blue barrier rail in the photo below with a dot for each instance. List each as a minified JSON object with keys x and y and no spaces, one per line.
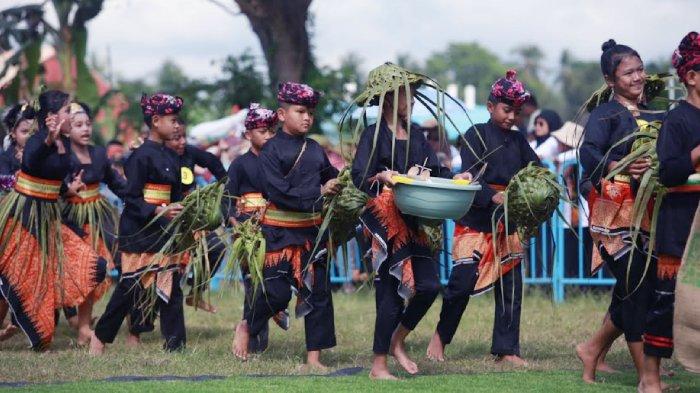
{"x":548,"y":263}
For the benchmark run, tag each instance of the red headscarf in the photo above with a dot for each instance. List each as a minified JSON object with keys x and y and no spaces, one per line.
{"x":687,"y":55}
{"x":298,"y":94}
{"x":258,"y":117}
{"x":160,"y":104}
{"x":509,"y":90}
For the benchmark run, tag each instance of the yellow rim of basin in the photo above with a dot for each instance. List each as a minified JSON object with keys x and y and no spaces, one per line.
{"x":407,"y":180}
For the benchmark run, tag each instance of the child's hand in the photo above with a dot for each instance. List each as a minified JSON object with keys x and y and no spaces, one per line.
{"x":133,"y":145}
{"x":76,"y":185}
{"x":639,"y":166}
{"x":387,"y":177}
{"x":19,"y":152}
{"x":171,"y":211}
{"x":466,"y":175}
{"x":54,"y":128}
{"x":695,"y":158}
{"x":331,"y":187}
{"x":498,"y":198}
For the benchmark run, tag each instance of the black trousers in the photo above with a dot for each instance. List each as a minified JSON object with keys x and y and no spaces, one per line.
{"x":140,"y":323}
{"x":317,"y":303}
{"x":507,"y":292}
{"x":259,"y":342}
{"x":658,"y":331}
{"x":126,"y":297}
{"x":390,"y":308}
{"x":631,"y":297}
{"x":455,"y":299}
{"x":215,"y":254}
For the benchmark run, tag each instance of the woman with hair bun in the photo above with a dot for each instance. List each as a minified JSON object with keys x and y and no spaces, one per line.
{"x":611,"y":204}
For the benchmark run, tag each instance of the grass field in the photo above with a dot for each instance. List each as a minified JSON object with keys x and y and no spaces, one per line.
{"x":548,"y":335}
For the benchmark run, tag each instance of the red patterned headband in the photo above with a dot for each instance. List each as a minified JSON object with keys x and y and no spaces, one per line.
{"x":160,"y":104}
{"x":259,"y":117}
{"x":687,"y":55}
{"x":509,"y":90}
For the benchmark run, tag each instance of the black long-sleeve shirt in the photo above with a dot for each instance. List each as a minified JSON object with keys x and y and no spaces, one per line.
{"x":368,"y":163}
{"x":244,"y":176}
{"x":9,"y":164}
{"x":679,"y":135}
{"x":151,"y":163}
{"x":608,"y":124}
{"x":293,"y":182}
{"x":505,"y":152}
{"x":196,"y":156}
{"x":43,"y":161}
{"x":99,"y":170}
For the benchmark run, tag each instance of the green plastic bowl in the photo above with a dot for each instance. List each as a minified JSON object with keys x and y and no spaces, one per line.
{"x":437,"y":198}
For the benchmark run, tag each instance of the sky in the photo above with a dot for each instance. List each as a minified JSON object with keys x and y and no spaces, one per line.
{"x":140,"y":34}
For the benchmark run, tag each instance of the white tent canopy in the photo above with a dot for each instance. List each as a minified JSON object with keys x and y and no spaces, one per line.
{"x":217,"y":129}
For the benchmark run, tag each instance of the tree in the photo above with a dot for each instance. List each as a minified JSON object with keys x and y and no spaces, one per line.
{"x":466,"y":63}
{"x":578,"y":79}
{"x":332,"y":83}
{"x":406,"y":61}
{"x":242,"y":83}
{"x":530,"y":60}
{"x":22,"y":30}
{"x":281,"y":28}
{"x":199,"y":104}
{"x":529,"y":67}
{"x":69,"y":39}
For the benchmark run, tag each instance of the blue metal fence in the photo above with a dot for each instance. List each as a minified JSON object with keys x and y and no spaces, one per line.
{"x":547,"y":264}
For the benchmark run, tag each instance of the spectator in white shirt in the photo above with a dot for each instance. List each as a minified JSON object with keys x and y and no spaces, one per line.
{"x":544,"y":145}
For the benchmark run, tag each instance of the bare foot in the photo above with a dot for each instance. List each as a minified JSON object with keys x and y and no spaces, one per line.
{"x":133,"y":340}
{"x":308,"y":368}
{"x":436,"y":351}
{"x":282,"y":319}
{"x":644,"y":388}
{"x":239,"y":347}
{"x":398,"y":351}
{"x":313,"y":362}
{"x":666,"y":372}
{"x":589,"y":362}
{"x":381,"y":375}
{"x":97,"y":347}
{"x":512,"y":359}
{"x":84,"y":336}
{"x":74,"y":323}
{"x":201,"y":304}
{"x":8,"y":332}
{"x":380,"y":369}
{"x":604,"y":367}
{"x":669,"y":388}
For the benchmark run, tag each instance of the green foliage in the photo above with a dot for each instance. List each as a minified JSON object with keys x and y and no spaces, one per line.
{"x":531,"y":198}
{"x":466,"y":63}
{"x":242,"y":82}
{"x":69,"y":38}
{"x":577,"y":79}
{"x":332,"y":83}
{"x":531,"y":58}
{"x":22,"y":29}
{"x":85,"y":87}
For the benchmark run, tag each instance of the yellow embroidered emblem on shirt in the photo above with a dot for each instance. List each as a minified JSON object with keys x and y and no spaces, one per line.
{"x":186,"y":175}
